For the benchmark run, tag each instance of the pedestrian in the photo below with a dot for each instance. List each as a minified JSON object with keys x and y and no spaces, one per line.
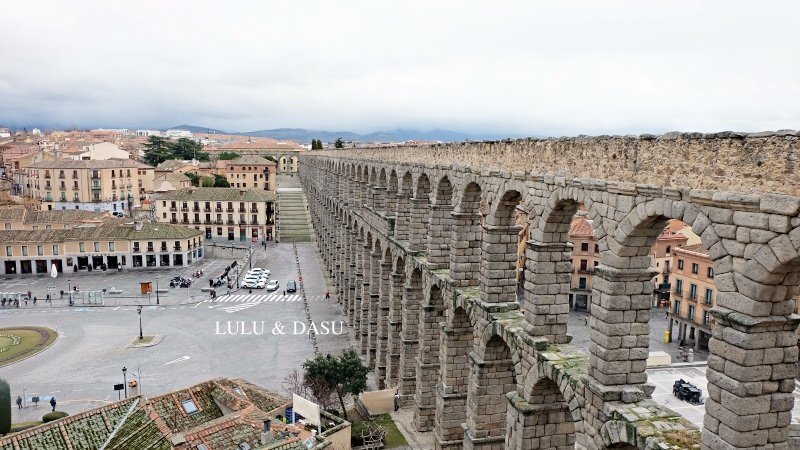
{"x":29,"y":294}
{"x":53,"y":403}
{"x":249,"y":291}
{"x":585,"y":321}
{"x":284,"y":292}
{"x":396,"y":400}
{"x":62,"y":294}
{"x":25,"y":299}
{"x":34,"y":301}
{"x":666,"y":315}
{"x":48,"y":298}
{"x":210,"y":283}
{"x":327,"y":295}
{"x":19,"y":402}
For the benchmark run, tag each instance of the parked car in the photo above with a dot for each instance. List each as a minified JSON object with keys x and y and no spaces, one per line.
{"x":273,"y":285}
{"x":291,"y":286}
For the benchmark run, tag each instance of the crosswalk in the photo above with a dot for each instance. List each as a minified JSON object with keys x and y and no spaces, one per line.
{"x":239,"y":302}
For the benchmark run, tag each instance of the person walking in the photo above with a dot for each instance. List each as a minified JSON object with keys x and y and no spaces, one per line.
{"x":585,"y":321}
{"x":34,"y":301}
{"x":53,"y":403}
{"x":29,"y":294}
{"x":327,"y":295}
{"x":19,"y":402}
{"x":284,"y":292}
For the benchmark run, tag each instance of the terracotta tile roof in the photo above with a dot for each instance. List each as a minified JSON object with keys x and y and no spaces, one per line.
{"x":172,"y":164}
{"x":175,"y":178}
{"x":581,"y":227}
{"x":694,"y":248}
{"x":109,"y":230}
{"x":249,"y":160}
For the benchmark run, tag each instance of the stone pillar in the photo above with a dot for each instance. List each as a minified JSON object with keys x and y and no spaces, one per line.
{"x":750,"y":374}
{"x":383,"y":323}
{"x":439,"y":236}
{"x":391,"y":201}
{"x":418,"y":232}
{"x":451,"y":390}
{"x":402,"y":214}
{"x":498,"y":278}
{"x":620,"y":329}
{"x":428,"y":367}
{"x":352,"y":277}
{"x":363,"y":312}
{"x":486,"y":414}
{"x":378,"y":200}
{"x":544,"y":423}
{"x":395,"y":343}
{"x":547,"y":286}
{"x":374,"y":300}
{"x":412,"y":298}
{"x":465,"y":249}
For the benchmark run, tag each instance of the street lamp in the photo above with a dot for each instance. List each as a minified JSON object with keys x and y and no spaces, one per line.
{"x":125,"y":380}
{"x":139,"y":310}
{"x":69,"y":291}
{"x":158,"y":300}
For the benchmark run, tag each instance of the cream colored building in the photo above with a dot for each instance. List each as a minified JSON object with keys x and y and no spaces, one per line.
{"x":21,"y":218}
{"x":250,"y":172}
{"x":286,"y":153}
{"x":103,"y":185}
{"x":108,"y":245}
{"x":103,"y":150}
{"x":693,"y":295}
{"x":221,"y":213}
{"x":585,"y":257}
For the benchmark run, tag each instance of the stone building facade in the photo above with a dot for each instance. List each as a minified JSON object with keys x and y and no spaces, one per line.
{"x":428,"y":283}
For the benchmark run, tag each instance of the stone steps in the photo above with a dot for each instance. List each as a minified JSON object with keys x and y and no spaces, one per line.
{"x":293,"y":223}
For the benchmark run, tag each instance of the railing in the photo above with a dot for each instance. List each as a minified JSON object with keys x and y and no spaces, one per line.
{"x":137,"y":250}
{"x":177,"y":248}
{"x":218,"y":221}
{"x":195,"y":209}
{"x":586,"y":270}
{"x":254,"y":222}
{"x":229,"y":221}
{"x":150,"y":249}
{"x":61,"y":175}
{"x":47,"y":176}
{"x":230,"y":210}
{"x":95,"y":175}
{"x":163,"y":249}
{"x":173,"y":208}
{"x":184,"y":208}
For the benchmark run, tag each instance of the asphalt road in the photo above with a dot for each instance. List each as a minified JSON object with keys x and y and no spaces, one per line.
{"x":202,"y":339}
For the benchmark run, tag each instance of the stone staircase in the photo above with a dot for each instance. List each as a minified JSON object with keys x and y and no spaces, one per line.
{"x":293,"y":222}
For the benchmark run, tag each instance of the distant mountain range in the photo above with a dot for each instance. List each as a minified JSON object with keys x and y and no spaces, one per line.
{"x":302,"y":135}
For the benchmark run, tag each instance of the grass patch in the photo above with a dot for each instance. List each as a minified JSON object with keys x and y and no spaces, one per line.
{"x":394,"y":438}
{"x":144,"y":340}
{"x":22,"y":426}
{"x":21,"y":342}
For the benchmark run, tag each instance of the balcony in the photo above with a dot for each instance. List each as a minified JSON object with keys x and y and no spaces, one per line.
{"x":242,"y":210}
{"x":230,"y":210}
{"x":74,"y":176}
{"x":196,"y":209}
{"x":173,"y":221}
{"x":61,"y":175}
{"x":173,"y":208}
{"x":229,"y":222}
{"x":184,"y":208}
{"x":95,"y":175}
{"x":254,"y":210}
{"x":164,"y":249}
{"x":218,"y":221}
{"x":666,"y":271}
{"x":177,"y":248}
{"x":586,"y":270}
{"x":47,"y":176}
{"x":150,"y":250}
{"x":219,"y":210}
{"x":208,"y":210}
{"x":254,"y":222}
{"x":137,"y":250}
{"x":692,"y":297}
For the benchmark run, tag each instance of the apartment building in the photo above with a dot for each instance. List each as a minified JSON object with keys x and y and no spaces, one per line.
{"x":251,"y":171}
{"x":693,"y":295}
{"x":102,"y":185}
{"x":585,"y":257}
{"x":221,"y":213}
{"x":662,"y":255}
{"x":21,"y":218}
{"x":109,"y":245}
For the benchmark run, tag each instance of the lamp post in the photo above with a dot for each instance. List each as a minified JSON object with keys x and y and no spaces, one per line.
{"x":158,"y":300}
{"x":125,"y":380}
{"x":139,"y":310}
{"x":69,"y":291}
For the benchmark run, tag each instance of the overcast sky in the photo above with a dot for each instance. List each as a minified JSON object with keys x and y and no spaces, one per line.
{"x":523,"y":67}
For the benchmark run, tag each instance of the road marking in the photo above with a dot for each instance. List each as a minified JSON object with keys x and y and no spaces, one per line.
{"x":239,"y":307}
{"x":118,"y":307}
{"x":182,"y":358}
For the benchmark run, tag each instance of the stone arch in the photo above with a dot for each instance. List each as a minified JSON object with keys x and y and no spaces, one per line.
{"x":420,"y":214}
{"x":470,"y":201}
{"x":422,"y":188}
{"x":375,"y":282}
{"x":616,"y":434}
{"x":444,"y":192}
{"x":500,"y":251}
{"x":466,"y":237}
{"x":492,"y":376}
{"x":402,"y":213}
{"x":440,"y":226}
{"x":382,"y":178}
{"x":427,"y":373}
{"x":384,"y":304}
{"x":544,"y":421}
{"x":392,"y":184}
{"x":391,"y":192}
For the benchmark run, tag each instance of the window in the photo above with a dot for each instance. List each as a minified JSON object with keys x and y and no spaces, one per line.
{"x":584,"y":264}
{"x":680,"y":264}
{"x":678,"y":287}
{"x":596,"y":248}
{"x":189,"y":406}
{"x":584,"y":246}
{"x":710,"y":272}
{"x":8,"y":226}
{"x":112,"y":246}
{"x":695,"y":268}
{"x":39,"y":250}
{"x":706,"y":318}
{"x":668,"y":249}
{"x":9,"y":251}
{"x":692,"y":291}
{"x":24,"y":250}
{"x":219,"y":231}
{"x":582,"y":283}
{"x":81,"y":247}
{"x":709,"y":299}
{"x":677,"y":309}
{"x":55,"y":249}
{"x":97,"y":246}
{"x":691,"y":312}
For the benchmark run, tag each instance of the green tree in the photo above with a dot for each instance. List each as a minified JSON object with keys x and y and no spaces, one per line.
{"x":228,"y":155}
{"x":185,"y":148}
{"x":271,"y":158}
{"x":156,"y":150}
{"x":207,"y":181}
{"x":345,"y":375}
{"x":339,"y":143}
{"x":221,"y":181}
{"x":5,"y":407}
{"x":194,"y":177}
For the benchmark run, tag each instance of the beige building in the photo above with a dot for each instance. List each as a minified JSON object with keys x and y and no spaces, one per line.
{"x":585,"y":257}
{"x":108,"y":245}
{"x":103,"y":185}
{"x":285,"y":153}
{"x":693,"y":295}
{"x":102,"y":150}
{"x":168,"y":182}
{"x":250,"y":172}
{"x":221,"y":213}
{"x":661,"y":256}
{"x":21,"y":218}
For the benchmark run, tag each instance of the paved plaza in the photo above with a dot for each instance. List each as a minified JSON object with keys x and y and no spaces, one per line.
{"x":261,"y":336}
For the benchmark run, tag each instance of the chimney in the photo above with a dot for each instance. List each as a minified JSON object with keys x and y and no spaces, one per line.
{"x":266,"y":434}
{"x":137,"y":225}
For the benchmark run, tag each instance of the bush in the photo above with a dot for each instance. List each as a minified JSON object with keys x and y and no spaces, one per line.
{"x":55,"y":415}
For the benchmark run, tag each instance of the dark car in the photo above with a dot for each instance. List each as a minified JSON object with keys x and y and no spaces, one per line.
{"x":291,"y":286}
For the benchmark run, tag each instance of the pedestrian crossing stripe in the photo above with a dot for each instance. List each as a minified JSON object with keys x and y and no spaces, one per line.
{"x":261,"y":298}
{"x":239,"y":307}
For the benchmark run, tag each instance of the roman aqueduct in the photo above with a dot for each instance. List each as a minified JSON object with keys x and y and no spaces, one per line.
{"x":422,"y":244}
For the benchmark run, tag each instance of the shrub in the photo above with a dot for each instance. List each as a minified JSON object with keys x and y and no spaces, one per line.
{"x":55,"y":415}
